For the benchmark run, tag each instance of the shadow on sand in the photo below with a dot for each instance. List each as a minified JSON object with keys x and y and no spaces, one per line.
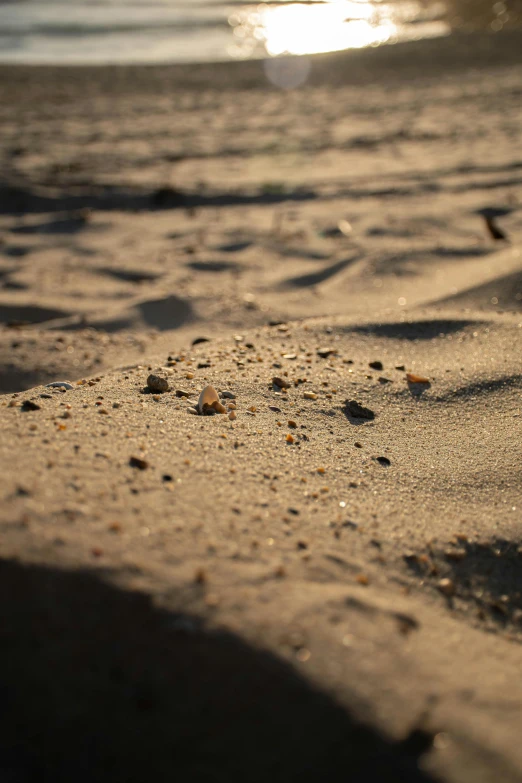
{"x":98,"y":684}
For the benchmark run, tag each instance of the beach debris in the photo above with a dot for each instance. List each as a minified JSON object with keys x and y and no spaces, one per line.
{"x":182,"y":393}
{"x":209,"y":403}
{"x":384,"y":461}
{"x":494,"y":231}
{"x":376,"y":365}
{"x":199,"y":340}
{"x":138,"y":462}
{"x":412,"y":378}
{"x":358,"y":411}
{"x":290,"y":356}
{"x":282,"y":383}
{"x":446,"y":587}
{"x":157,"y":384}
{"x":29,"y":405}
{"x":324,"y":353}
{"x":310,"y":396}
{"x":59,"y":385}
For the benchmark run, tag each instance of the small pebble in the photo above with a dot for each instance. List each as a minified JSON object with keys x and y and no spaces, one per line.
{"x":228,"y":395}
{"x":455,"y":554}
{"x":412,"y":378}
{"x":59,"y":385}
{"x":292,"y":424}
{"x":182,"y":393}
{"x":232,"y":416}
{"x":324,"y":353}
{"x":289,"y":438}
{"x":29,"y":405}
{"x":376,"y":365}
{"x":358,"y":411}
{"x":446,"y":587}
{"x":282,"y":383}
{"x":274,"y":408}
{"x":157,"y":384}
{"x":310,"y":396}
{"x":137,"y":462}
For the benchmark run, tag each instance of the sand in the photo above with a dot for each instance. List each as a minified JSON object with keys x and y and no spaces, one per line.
{"x":297,"y":594}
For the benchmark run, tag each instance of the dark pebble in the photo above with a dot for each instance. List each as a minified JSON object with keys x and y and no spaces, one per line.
{"x":137,"y":462}
{"x":358,"y":411}
{"x":324,"y":353}
{"x":29,"y":405}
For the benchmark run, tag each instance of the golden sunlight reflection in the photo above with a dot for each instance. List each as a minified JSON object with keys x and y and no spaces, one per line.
{"x":299,"y":28}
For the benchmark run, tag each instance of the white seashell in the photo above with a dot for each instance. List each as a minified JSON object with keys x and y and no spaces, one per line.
{"x":209,"y":401}
{"x":59,"y":385}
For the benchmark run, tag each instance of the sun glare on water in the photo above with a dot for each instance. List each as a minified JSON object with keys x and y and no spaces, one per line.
{"x":299,"y":28}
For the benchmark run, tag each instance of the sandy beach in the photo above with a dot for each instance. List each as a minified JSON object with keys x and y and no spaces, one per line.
{"x":324,"y":583}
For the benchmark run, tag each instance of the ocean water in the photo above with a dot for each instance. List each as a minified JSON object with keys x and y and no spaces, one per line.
{"x":152,"y":31}
{"x":129,"y":31}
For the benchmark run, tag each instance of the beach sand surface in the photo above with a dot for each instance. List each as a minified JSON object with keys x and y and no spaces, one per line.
{"x":294,"y":592}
